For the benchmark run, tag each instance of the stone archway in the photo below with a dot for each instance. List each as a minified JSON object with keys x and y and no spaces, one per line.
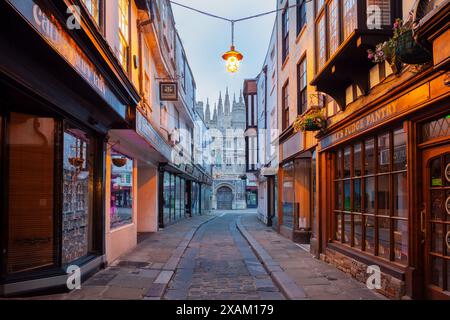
{"x":224,"y":198}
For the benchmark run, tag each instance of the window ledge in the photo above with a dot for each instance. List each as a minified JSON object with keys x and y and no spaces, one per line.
{"x":284,"y":63}
{"x":388,"y":267}
{"x":300,"y":34}
{"x":126,"y":226}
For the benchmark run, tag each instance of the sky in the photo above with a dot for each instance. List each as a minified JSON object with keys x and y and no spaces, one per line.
{"x":205,"y":39}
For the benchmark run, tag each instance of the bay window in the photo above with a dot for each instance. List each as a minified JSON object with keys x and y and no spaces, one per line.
{"x":350,"y":16}
{"x":321,"y":42}
{"x":333,"y":26}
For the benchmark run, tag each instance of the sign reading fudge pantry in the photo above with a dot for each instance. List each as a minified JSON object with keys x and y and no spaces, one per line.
{"x":53,"y":32}
{"x":380,"y":115}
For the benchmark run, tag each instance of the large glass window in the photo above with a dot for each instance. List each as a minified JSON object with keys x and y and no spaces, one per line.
{"x":333,"y":12}
{"x":302,"y":80}
{"x":301,"y":15}
{"x":93,"y":6}
{"x":384,"y":7}
{"x":182,"y":198}
{"x":321,"y":42}
{"x":370,"y":187}
{"x":77,"y":195}
{"x":350,"y":16}
{"x":288,"y":195}
{"x":285,"y":33}
{"x":167,"y":198}
{"x":177,"y":198}
{"x":314,"y":194}
{"x":123,"y":50}
{"x":285,"y":97}
{"x":31,"y":167}
{"x":121,"y":190}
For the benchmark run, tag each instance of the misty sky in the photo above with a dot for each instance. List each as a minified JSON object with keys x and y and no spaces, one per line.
{"x":205,"y":39}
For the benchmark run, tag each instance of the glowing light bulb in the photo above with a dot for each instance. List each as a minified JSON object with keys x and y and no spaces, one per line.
{"x":232,"y":59}
{"x":232,"y":64}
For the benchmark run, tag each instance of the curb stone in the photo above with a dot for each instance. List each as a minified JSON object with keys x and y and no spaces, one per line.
{"x":159,"y":286}
{"x":286,"y":284}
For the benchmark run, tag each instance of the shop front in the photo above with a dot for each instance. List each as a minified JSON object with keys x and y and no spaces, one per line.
{"x":384,"y":202}
{"x":55,"y":111}
{"x":297,"y":189}
{"x":132,"y":183}
{"x":184,"y":192}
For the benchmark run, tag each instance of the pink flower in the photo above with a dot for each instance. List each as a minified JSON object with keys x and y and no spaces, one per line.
{"x":396,"y":25}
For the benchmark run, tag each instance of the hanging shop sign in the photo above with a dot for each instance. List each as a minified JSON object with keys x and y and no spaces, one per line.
{"x":54,"y":33}
{"x":402,"y":104}
{"x":168,"y":91}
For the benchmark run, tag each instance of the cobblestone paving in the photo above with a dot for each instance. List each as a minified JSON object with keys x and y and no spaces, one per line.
{"x":319,"y":280}
{"x":219,"y":264}
{"x":134,"y":276}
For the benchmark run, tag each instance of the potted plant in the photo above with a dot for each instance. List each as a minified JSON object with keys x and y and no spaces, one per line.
{"x":313,"y":121}
{"x":119,"y":162}
{"x":401,"y":48}
{"x":77,"y":162}
{"x":410,"y":51}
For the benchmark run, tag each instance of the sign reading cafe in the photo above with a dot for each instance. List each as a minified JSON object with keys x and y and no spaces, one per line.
{"x":49,"y":28}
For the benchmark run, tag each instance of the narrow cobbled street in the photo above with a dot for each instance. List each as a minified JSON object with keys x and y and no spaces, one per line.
{"x":219,"y":264}
{"x":229,"y":255}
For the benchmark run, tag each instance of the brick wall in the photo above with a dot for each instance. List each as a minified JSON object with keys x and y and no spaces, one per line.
{"x":391,"y":287}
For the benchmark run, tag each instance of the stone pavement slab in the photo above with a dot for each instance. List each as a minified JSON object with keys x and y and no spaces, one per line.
{"x":145,"y":271}
{"x":295,"y":269}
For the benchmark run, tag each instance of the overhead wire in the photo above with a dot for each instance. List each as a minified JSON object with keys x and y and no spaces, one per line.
{"x":240,"y":19}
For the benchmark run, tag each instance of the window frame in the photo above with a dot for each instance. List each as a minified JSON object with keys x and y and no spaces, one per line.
{"x":338,"y":25}
{"x":285,"y":33}
{"x":99,"y":21}
{"x":285,"y":105}
{"x":124,"y":36}
{"x":301,"y":15}
{"x":321,"y":19}
{"x":302,"y":85}
{"x":391,"y":217}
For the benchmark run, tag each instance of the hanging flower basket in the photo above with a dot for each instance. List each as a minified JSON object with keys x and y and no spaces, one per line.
{"x":119,"y":162}
{"x":76,"y":162}
{"x":409,"y":51}
{"x":315,"y":121}
{"x":401,"y":48}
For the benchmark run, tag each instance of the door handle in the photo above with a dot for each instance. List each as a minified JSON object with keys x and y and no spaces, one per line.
{"x":423,"y":227}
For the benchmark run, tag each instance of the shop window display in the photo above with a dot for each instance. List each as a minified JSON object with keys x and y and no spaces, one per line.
{"x":77,"y":195}
{"x":121,"y":212}
{"x":370,"y":188}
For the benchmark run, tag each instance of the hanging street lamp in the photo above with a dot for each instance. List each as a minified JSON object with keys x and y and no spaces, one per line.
{"x":232,"y":57}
